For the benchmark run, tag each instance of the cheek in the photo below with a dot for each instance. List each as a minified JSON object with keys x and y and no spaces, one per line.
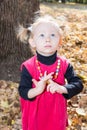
{"x":56,"y":41}
{"x":39,"y":40}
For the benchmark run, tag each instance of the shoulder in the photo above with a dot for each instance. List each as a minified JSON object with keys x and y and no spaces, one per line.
{"x":28,"y":63}
{"x":64,"y":60}
{"x":64,"y":63}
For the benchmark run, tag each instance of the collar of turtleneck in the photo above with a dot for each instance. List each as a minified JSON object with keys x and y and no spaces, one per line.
{"x":47,"y":60}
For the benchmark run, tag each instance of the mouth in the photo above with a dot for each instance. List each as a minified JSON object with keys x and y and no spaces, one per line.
{"x":47,"y":46}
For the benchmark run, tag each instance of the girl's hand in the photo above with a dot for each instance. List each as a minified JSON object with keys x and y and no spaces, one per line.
{"x":53,"y":87}
{"x":40,"y":85}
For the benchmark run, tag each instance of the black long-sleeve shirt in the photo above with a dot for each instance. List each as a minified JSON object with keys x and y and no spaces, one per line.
{"x":73,"y":86}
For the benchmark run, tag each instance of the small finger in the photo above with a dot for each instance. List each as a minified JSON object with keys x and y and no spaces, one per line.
{"x":51,"y":73}
{"x":34,"y":81}
{"x":45,"y":73}
{"x":48,"y":88}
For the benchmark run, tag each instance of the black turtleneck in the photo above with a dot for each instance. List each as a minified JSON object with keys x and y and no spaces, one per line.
{"x":73,"y":87}
{"x":45,"y":59}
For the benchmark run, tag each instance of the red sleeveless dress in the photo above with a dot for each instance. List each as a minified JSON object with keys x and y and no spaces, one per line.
{"x":47,"y":111}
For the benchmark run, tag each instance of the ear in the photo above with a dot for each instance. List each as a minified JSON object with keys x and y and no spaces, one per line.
{"x":32,"y":43}
{"x":60,"y":41}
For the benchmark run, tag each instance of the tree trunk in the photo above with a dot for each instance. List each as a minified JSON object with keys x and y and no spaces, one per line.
{"x":12,"y":52}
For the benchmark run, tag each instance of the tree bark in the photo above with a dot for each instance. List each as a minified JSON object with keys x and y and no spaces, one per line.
{"x":12,"y":52}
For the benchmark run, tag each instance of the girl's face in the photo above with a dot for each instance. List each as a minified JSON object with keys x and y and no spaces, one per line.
{"x":46,"y":39}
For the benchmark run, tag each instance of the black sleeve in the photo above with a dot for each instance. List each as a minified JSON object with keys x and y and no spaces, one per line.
{"x":25,"y":84}
{"x":74,"y":85}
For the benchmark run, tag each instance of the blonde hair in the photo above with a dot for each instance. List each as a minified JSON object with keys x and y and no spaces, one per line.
{"x":24,"y":33}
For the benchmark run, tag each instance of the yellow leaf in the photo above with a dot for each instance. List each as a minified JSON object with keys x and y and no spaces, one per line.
{"x":4,"y":104}
{"x":83,"y":77}
{"x":12,"y":122}
{"x":80,"y":111}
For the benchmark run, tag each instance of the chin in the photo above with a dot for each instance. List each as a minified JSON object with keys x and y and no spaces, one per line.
{"x":49,"y":54}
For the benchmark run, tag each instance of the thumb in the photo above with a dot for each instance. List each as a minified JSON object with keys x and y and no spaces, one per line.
{"x":50,"y":81}
{"x":34,"y":81}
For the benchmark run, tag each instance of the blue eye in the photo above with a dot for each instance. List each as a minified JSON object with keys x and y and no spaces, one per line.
{"x":52,"y":35}
{"x":41,"y":35}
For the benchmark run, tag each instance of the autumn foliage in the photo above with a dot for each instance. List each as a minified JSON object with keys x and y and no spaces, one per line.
{"x":73,"y":22}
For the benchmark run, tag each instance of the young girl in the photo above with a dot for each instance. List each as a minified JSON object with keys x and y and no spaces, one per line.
{"x":42,"y":88}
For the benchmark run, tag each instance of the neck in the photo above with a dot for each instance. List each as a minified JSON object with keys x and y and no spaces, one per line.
{"x":48,"y":60}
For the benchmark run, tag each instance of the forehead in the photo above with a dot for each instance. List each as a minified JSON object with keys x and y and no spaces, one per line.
{"x":45,"y":26}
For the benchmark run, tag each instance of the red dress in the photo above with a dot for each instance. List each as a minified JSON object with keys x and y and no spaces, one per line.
{"x":47,"y":111}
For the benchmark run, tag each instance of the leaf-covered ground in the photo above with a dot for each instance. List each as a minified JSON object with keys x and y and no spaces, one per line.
{"x":73,"y":21}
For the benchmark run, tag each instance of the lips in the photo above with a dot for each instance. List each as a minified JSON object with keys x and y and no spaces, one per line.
{"x":47,"y":46}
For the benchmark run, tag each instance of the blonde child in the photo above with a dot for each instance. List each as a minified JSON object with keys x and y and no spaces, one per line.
{"x":43,"y":91}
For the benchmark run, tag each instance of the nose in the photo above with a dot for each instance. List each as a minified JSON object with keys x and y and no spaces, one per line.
{"x":48,"y":39}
